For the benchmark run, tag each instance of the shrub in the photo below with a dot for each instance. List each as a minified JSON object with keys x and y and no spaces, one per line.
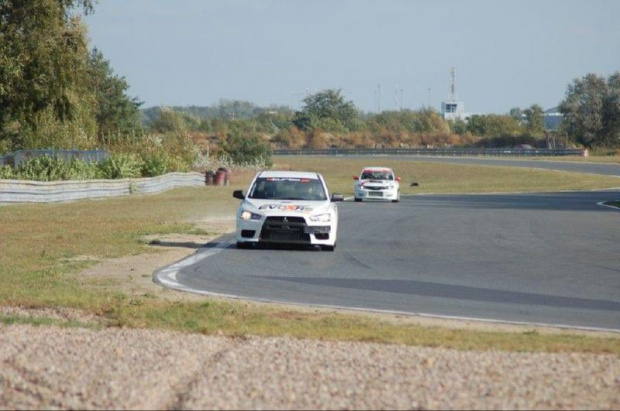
{"x":120,"y":166}
{"x":154,"y":164}
{"x":6,"y":173}
{"x":246,"y":150}
{"x":81,"y":170}
{"x":44,"y":168}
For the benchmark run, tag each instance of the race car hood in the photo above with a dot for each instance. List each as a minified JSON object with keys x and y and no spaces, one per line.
{"x":376,"y":183}
{"x":279,"y":207}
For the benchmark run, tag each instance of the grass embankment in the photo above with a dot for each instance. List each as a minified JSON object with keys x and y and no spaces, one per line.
{"x":43,"y":247}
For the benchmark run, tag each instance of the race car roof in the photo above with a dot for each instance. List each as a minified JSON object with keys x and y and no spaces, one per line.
{"x":288,"y":174}
{"x":377,"y":169}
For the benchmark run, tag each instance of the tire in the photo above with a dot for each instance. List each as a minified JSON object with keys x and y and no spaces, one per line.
{"x":358,"y":200}
{"x":329,"y":247}
{"x":397,"y":198}
{"x":241,"y":245}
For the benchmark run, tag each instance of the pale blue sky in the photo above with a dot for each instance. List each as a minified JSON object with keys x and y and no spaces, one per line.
{"x":506,"y":53}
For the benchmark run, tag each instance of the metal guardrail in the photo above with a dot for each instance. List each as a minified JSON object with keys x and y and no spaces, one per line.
{"x":449,"y":152}
{"x":21,"y":191}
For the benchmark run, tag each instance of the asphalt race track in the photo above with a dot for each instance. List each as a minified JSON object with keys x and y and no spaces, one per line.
{"x":550,"y":258}
{"x":608,"y":169}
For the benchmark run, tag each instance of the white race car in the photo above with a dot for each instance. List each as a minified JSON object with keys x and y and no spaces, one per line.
{"x":287,"y":207}
{"x":378,"y":184}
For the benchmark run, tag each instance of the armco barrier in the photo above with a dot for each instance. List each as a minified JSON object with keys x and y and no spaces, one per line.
{"x":21,"y":191}
{"x":447,"y":152}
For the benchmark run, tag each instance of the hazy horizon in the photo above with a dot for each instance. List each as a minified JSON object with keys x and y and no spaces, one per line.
{"x":275,"y":52}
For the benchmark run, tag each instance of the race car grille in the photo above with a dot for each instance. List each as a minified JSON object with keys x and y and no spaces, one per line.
{"x":376,"y":188}
{"x":284,"y":230}
{"x":288,"y":219}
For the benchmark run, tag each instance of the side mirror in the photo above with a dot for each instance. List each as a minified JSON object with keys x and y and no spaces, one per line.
{"x":337,"y":198}
{"x":356,"y":178}
{"x":398,"y":179}
{"x":239,"y":194}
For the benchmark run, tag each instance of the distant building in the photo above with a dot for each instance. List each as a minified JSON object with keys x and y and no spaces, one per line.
{"x":453,"y":110}
{"x":553,"y":118}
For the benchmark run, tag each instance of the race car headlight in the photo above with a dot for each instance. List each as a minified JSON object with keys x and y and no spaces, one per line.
{"x":321,"y":218}
{"x":248,"y":215}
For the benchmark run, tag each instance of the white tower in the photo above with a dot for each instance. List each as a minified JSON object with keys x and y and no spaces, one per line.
{"x":452,"y":109}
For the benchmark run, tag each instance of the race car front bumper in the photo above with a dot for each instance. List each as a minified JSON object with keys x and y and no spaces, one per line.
{"x":369,"y":194}
{"x":285,"y":230}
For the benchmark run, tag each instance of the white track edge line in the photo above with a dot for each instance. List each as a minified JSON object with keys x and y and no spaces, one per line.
{"x":166,"y":277}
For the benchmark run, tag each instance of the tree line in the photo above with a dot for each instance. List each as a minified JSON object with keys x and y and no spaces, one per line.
{"x":58,"y":92}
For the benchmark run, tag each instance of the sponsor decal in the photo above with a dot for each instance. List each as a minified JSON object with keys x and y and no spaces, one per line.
{"x":286,"y":207}
{"x":376,"y":170}
{"x":373,"y":183}
{"x":294,"y":180}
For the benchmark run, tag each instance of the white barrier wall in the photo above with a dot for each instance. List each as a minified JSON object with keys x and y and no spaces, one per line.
{"x":22,"y":191}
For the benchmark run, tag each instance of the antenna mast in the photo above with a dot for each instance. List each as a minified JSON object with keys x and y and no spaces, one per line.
{"x":453,"y":84}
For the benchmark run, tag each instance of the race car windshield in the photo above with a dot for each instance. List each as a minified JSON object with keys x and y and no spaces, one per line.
{"x":377,"y":175}
{"x":285,"y":188}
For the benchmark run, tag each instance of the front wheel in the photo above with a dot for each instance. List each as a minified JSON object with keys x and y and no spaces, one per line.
{"x":397,"y":198}
{"x":358,"y":200}
{"x":329,"y":247}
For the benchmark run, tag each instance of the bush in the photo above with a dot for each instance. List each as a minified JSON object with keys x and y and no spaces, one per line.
{"x":154,"y":164}
{"x":44,"y":168}
{"x":121,"y":166}
{"x":81,"y":170}
{"x":6,"y":173}
{"x":246,"y":150}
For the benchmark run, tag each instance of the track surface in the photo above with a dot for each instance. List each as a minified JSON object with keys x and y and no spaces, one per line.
{"x":608,"y":169}
{"x":549,"y":258}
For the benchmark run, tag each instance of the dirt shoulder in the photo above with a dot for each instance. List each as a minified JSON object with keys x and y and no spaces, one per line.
{"x":74,"y":368}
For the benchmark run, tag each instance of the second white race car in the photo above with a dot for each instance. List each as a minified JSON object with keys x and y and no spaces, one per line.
{"x":377,"y":184}
{"x":287,"y":207}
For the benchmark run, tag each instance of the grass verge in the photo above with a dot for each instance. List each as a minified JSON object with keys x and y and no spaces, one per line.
{"x":442,"y":178}
{"x":43,"y":247}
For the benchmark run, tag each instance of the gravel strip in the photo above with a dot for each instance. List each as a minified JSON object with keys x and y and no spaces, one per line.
{"x":62,"y":368}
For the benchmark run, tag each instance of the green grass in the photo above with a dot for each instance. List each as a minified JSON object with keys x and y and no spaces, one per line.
{"x":42,"y":321}
{"x":442,"y":178}
{"x":42,"y":247}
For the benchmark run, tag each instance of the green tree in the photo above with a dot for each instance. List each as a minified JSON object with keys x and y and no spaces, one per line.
{"x":246,"y":150}
{"x":517,"y":114}
{"x":493,"y":125}
{"x":611,"y":112}
{"x":584,"y":110}
{"x":458,"y":126}
{"x":168,"y":120}
{"x":115,"y":112}
{"x":534,"y":120}
{"x":327,"y":111}
{"x":43,"y":53}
